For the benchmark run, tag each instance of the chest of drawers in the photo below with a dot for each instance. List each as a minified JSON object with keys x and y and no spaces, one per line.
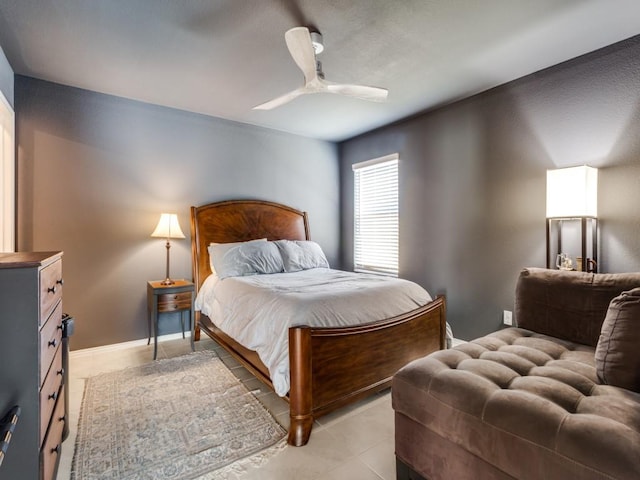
{"x":31,"y":373}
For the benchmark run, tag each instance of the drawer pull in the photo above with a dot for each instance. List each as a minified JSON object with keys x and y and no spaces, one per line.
{"x":62,"y":418}
{"x":56,"y":449}
{"x":53,"y":396}
{"x":59,"y":327}
{"x":60,"y":372}
{"x":52,"y":343}
{"x":51,"y":289}
{"x":60,"y":282}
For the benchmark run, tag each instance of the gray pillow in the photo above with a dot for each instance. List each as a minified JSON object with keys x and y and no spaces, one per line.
{"x":618,"y":350}
{"x":301,"y":255}
{"x":249,"y":258}
{"x":223,"y":247}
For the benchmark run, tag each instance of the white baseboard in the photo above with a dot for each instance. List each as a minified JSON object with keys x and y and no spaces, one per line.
{"x":121,"y":346}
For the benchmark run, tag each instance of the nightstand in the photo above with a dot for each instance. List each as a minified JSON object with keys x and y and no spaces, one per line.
{"x":169,"y":298}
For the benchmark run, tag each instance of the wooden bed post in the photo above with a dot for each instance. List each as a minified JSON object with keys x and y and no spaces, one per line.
{"x":300,"y":394}
{"x":195,"y":269}
{"x":196,"y":326}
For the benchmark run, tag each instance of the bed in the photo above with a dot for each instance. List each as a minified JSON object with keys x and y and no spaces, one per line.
{"x":329,"y":367}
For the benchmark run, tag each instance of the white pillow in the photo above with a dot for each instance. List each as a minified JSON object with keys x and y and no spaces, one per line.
{"x":248,"y":258}
{"x":301,"y":255}
{"x":228,"y":246}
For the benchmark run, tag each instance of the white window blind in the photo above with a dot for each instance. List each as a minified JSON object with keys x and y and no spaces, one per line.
{"x":376,"y":215}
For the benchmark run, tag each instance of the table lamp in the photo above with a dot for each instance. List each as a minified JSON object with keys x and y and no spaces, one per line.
{"x":168,"y":227}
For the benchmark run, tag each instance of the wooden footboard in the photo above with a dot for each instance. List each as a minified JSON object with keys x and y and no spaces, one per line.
{"x":332,"y":367}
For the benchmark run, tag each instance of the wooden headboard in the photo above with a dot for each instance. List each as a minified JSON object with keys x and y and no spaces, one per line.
{"x":240,"y":221}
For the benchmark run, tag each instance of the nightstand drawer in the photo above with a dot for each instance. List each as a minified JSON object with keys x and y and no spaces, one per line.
{"x":52,"y":447}
{"x":50,"y":289}
{"x":50,"y":338}
{"x":170,"y":302}
{"x":50,"y":391}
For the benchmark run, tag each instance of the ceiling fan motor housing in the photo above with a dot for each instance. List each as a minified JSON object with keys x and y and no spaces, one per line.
{"x":316,"y":41}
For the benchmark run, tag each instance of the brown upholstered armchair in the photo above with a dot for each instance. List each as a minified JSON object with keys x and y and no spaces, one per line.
{"x":555,"y":398}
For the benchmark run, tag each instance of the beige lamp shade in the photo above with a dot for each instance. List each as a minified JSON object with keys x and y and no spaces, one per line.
{"x":168,"y":227}
{"x":572,"y":192}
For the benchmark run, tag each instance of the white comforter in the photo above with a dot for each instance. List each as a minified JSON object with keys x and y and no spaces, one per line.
{"x":258,"y":310}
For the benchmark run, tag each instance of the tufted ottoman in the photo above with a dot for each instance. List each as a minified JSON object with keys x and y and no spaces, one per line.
{"x":519,"y":403}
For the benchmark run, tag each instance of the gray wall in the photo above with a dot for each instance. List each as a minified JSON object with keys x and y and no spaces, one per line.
{"x":95,"y":172}
{"x":473,"y":180}
{"x":6,"y":78}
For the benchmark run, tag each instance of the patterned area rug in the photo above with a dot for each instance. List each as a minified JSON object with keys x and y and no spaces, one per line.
{"x":181,"y":418}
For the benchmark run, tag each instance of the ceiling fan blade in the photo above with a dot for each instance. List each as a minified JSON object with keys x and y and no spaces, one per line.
{"x":373,"y":94}
{"x":299,"y":44}
{"x":281,"y":100}
{"x":302,"y":51}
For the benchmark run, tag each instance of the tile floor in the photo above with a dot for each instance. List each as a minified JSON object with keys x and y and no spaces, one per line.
{"x":355,"y":442}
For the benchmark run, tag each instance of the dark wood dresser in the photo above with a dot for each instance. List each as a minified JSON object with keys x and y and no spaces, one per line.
{"x":31,"y":371}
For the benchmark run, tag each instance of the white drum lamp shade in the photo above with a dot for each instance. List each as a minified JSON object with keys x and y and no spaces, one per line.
{"x":572,"y":192}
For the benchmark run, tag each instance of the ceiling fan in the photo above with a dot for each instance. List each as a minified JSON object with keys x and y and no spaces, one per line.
{"x":303,"y":47}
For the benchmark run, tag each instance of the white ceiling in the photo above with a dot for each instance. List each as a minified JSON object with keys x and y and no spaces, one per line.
{"x":222,"y":57}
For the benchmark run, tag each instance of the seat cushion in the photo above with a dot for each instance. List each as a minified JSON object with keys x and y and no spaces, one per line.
{"x":618,"y":350}
{"x":528,"y":403}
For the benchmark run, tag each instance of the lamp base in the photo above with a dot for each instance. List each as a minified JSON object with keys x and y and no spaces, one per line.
{"x":167,"y":281}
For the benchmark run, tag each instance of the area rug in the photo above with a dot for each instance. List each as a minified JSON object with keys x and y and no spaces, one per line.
{"x":182,"y":418}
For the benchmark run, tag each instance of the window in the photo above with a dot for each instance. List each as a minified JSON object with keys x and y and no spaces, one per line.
{"x":376,"y":216}
{"x":7,"y":176}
